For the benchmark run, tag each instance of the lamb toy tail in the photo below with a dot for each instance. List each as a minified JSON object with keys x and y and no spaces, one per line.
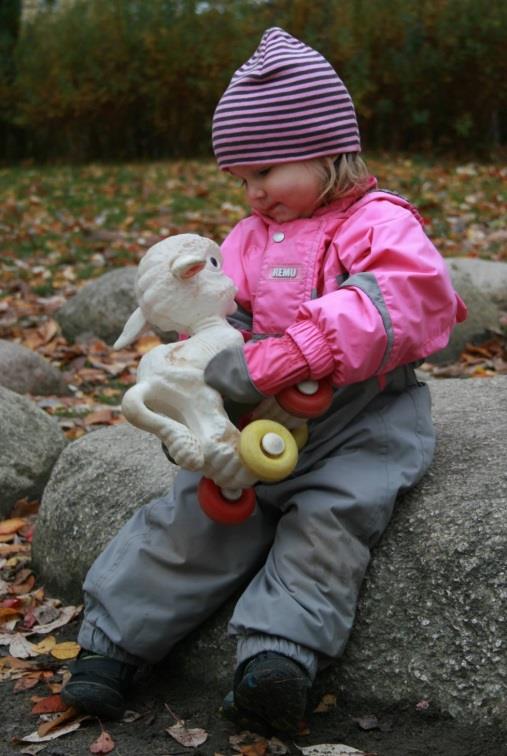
{"x":133,"y":328}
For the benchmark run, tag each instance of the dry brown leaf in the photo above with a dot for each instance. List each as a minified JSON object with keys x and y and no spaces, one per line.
{"x":7,"y":613}
{"x":249,"y":743}
{"x":45,"y":645}
{"x":103,"y":744}
{"x":14,"y":548}
{"x":49,"y":705}
{"x":25,"y":507}
{"x":332,"y":749}
{"x":20,"y":647}
{"x":259,"y":748}
{"x":29,"y":680}
{"x":367,"y":722}
{"x":190,"y":738}
{"x":54,"y":724}
{"x":35,"y":737}
{"x":327,"y":702}
{"x":66,"y":650}
{"x":99,"y":416}
{"x":23,"y":588}
{"x":12,"y":526}
{"x":13,"y":663}
{"x":66,"y":614}
{"x":32,"y":750}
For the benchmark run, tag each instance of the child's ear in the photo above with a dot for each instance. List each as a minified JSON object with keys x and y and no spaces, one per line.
{"x":187,"y":266}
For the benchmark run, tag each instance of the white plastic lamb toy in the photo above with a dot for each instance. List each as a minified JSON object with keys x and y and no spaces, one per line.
{"x":180,"y":287}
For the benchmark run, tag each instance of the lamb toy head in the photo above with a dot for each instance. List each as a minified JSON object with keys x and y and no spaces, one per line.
{"x":179,"y":285}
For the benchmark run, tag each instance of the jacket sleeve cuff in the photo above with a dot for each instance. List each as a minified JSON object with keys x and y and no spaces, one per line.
{"x":314,"y":347}
{"x":275,"y":364}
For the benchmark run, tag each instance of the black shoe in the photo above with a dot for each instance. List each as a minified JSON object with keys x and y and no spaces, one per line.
{"x":272,"y":688}
{"x":98,"y":685}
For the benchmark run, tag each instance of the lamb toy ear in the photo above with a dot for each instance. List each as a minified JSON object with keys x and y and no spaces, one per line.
{"x":187,"y":266}
{"x":131,"y":330}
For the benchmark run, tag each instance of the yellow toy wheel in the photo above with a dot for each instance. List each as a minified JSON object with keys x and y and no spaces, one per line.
{"x":301,"y":435}
{"x":268,"y":450}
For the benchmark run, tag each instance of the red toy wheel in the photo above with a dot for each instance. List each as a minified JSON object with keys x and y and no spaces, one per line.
{"x":307,"y":399}
{"x":222,"y":510}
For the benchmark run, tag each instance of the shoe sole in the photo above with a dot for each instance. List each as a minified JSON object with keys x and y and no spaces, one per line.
{"x":89,"y":698}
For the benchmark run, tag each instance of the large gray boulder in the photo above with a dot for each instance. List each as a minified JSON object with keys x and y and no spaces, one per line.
{"x":489,"y":276}
{"x":101,"y":308}
{"x":97,"y":484}
{"x":483,"y":315}
{"x":30,"y":443}
{"x":26,"y":372}
{"x":432,"y":621}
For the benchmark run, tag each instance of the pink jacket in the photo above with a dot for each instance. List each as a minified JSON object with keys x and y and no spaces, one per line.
{"x":356,"y":290}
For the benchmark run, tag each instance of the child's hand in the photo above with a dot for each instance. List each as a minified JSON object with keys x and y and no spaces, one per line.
{"x":269,"y":409}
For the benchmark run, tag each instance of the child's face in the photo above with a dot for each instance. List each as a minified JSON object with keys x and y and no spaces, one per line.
{"x":282,"y":191}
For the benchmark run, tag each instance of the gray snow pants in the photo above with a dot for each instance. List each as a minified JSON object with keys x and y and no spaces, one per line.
{"x":302,"y":555}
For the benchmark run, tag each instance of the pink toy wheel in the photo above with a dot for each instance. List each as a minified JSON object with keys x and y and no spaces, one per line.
{"x":225,"y":511}
{"x":306,"y":399}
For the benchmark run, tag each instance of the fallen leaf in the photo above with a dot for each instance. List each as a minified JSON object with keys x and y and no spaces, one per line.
{"x":45,"y":645}
{"x":32,"y":750}
{"x":249,"y":743}
{"x":327,"y":702}
{"x":13,"y":663}
{"x":54,"y":724}
{"x":276,"y":747}
{"x":49,"y":705}
{"x":190,"y":738}
{"x":20,"y":647}
{"x":12,"y":526}
{"x":25,"y":507}
{"x":331,"y":749}
{"x":29,"y":680}
{"x":103,"y":744}
{"x":367,"y":722}
{"x":7,"y":613}
{"x":23,"y":588}
{"x":14,"y":548}
{"x":34,"y":737}
{"x":67,"y":613}
{"x":66,"y":650}
{"x":98,"y":417}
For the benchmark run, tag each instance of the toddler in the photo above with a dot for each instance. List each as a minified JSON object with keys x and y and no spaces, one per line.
{"x":335,"y":278}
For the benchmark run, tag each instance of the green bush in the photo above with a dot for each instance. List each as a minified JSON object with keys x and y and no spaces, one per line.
{"x":114,"y":79}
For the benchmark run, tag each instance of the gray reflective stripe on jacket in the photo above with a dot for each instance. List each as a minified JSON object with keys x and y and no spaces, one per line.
{"x":369,"y":286}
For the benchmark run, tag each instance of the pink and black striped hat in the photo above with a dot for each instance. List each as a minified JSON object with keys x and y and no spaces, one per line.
{"x":286,"y":103}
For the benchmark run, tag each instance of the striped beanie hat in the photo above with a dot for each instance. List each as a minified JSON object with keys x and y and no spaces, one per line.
{"x":286,"y":103}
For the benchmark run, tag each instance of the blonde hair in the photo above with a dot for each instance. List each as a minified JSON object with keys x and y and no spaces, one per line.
{"x":341,"y":176}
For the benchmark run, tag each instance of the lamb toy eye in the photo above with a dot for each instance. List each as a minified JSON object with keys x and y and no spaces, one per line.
{"x":214,"y":262}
